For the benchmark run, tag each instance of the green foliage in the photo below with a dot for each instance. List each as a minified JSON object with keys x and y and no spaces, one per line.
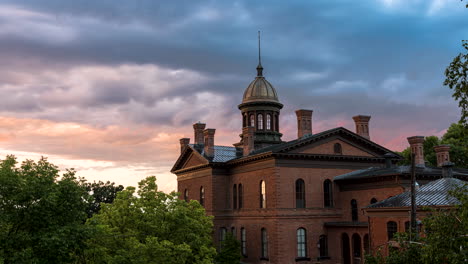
{"x":456,"y":137}
{"x":446,"y":238}
{"x":41,"y":214}
{"x":407,"y":252}
{"x":101,"y":193}
{"x":230,"y":251}
{"x":151,"y":227}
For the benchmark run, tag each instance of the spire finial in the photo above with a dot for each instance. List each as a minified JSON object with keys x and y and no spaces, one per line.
{"x":259,"y":67}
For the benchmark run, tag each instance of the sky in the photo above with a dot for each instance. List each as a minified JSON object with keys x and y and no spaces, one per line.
{"x":109,"y":87}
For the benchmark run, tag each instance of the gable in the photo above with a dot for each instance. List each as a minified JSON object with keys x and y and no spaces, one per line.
{"x":193,"y":160}
{"x":327,"y":146}
{"x":189,"y":158}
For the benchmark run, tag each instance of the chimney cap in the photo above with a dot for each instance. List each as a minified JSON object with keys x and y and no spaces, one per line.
{"x":443,"y":147}
{"x":304,"y":112}
{"x":361,"y":118}
{"x":415,"y":139}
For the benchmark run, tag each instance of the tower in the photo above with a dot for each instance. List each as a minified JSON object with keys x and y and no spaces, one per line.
{"x":260,"y":109}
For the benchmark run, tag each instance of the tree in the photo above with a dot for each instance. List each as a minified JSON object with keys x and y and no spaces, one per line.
{"x":457,"y":79}
{"x":151,"y":227}
{"x":42,"y":215}
{"x":230,"y":251}
{"x":455,"y":137}
{"x":101,"y":193}
{"x":446,"y":238}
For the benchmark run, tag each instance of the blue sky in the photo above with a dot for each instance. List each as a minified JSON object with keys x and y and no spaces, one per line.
{"x":108,"y":86}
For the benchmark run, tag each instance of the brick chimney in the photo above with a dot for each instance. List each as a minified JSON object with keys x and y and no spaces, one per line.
{"x":442,"y":154}
{"x":416,"y":146}
{"x":183,"y":143}
{"x":304,"y":122}
{"x":198,"y":130}
{"x":209,"y":142}
{"x":362,"y":125}
{"x":248,"y":140}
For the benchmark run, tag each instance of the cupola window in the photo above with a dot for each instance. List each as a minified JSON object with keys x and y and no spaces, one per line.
{"x":268,"y":122}
{"x":260,"y":121}
{"x":252,"y":120}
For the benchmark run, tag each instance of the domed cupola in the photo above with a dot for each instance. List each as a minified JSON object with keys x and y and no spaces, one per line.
{"x":260,"y":109}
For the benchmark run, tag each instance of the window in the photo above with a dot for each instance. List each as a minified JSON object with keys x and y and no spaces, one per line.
{"x":327,"y":193}
{"x":234,"y":197}
{"x":202,"y":196}
{"x":268,"y":122}
{"x":276,"y":123}
{"x":301,"y":243}
{"x":233,"y":231}
{"x":300,"y":193}
{"x":186,"y":195}
{"x":323,"y":246}
{"x":337,"y":148}
{"x":222,"y":235}
{"x":392,"y":228}
{"x":244,"y":121}
{"x":243,"y":242}
{"x":252,"y":120}
{"x":264,"y":243}
{"x":354,"y":210}
{"x":373,"y":201}
{"x":241,"y":196}
{"x":260,"y":121}
{"x":262,"y":194}
{"x":356,"y":246}
{"x":366,"y":244}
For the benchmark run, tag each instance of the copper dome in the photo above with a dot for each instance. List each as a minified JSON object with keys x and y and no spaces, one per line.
{"x":260,"y":90}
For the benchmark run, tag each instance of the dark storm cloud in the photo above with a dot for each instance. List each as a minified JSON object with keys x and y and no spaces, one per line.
{"x":341,"y":50}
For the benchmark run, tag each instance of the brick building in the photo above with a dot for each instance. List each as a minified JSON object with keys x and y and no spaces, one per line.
{"x":289,"y":202}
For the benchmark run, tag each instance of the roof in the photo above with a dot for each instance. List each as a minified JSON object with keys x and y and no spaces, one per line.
{"x":221,"y":153}
{"x":397,"y":170}
{"x":430,"y":194}
{"x":260,"y":90}
{"x":286,"y":146}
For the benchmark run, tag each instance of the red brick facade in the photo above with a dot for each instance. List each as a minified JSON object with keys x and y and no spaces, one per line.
{"x":311,"y":159}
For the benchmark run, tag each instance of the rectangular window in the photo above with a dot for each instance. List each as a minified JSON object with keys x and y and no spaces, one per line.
{"x":264,"y":243}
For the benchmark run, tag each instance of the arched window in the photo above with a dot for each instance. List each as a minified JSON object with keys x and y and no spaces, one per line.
{"x":260,"y":121}
{"x":241,"y":196}
{"x":354,"y":210}
{"x":392,"y":228}
{"x":264,"y":243}
{"x":407,"y":226}
{"x":222,"y":234}
{"x":233,"y":231}
{"x":366,"y":243}
{"x":268,"y":122}
{"x":300,"y":193}
{"x":373,"y":201}
{"x":262,"y":194}
{"x":301,"y":243}
{"x":252,"y":120}
{"x":356,"y":246}
{"x":202,"y":196}
{"x":243,"y":242}
{"x":328,"y":193}
{"x":234,"y":197}
{"x":323,"y":246}
{"x":186,"y":195}
{"x":337,"y":148}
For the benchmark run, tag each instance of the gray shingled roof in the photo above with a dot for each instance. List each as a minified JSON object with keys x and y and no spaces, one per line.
{"x":430,"y":194}
{"x":221,"y":153}
{"x":397,"y":170}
